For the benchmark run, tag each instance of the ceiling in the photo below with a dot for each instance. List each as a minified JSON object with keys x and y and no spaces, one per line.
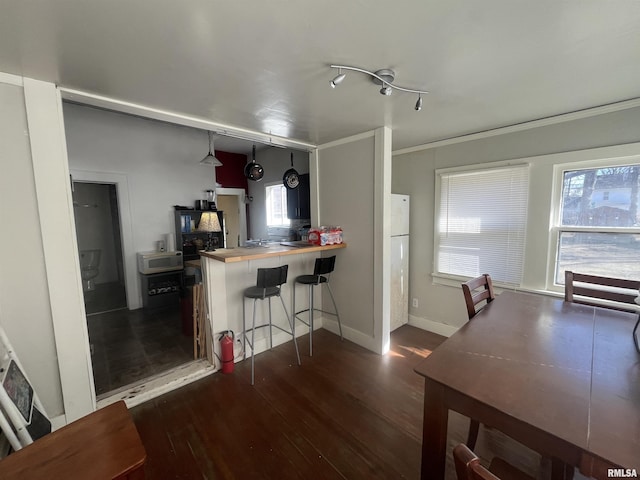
{"x":264,"y":65}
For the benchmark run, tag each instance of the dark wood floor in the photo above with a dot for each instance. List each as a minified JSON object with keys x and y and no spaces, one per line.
{"x":346,"y":413}
{"x":129,"y":346}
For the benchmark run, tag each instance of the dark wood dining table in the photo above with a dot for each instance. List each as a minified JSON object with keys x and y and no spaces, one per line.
{"x":561,"y":378}
{"x":103,"y":445}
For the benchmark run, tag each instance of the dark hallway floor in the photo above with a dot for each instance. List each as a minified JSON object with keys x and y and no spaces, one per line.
{"x":105,"y":297}
{"x":128,"y":346}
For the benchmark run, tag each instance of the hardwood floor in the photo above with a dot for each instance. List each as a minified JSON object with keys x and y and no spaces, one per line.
{"x":346,"y":413}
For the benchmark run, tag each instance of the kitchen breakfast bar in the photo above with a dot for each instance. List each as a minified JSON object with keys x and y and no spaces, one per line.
{"x":227,"y":273}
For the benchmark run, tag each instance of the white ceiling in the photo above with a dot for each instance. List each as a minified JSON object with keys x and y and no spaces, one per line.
{"x":263,"y":64}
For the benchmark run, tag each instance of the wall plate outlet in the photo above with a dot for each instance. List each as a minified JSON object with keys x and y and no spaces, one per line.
{"x":414,"y":303}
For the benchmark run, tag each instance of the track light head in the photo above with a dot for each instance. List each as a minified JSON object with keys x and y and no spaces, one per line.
{"x":386,"y":90}
{"x":337,"y":80}
{"x":419,"y":103}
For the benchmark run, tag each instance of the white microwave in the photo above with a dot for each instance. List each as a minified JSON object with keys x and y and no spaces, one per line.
{"x":157,"y":262}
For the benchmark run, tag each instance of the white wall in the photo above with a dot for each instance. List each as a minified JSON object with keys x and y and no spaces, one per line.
{"x":159,"y":160}
{"x":351,"y":185}
{"x":442,"y":307}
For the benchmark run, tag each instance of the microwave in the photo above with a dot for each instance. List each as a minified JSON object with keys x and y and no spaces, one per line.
{"x":157,"y":262}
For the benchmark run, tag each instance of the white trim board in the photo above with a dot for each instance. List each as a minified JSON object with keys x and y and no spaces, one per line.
{"x":352,"y":138}
{"x":53,"y":191}
{"x":11,"y":79}
{"x":518,"y":127}
{"x":122,"y":106}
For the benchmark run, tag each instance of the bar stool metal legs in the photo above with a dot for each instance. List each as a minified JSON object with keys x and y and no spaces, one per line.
{"x":268,"y":285}
{"x":322,"y":269}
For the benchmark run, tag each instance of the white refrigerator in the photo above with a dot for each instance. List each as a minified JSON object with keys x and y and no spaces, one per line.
{"x":399,"y":260}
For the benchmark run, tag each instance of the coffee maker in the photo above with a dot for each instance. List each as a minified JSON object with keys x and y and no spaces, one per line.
{"x":211,"y":199}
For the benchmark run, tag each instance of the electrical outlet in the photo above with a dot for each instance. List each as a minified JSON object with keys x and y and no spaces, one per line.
{"x":414,"y":303}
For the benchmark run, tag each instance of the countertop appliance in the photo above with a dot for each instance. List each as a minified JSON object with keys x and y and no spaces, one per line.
{"x":399,"y":260}
{"x":157,"y":262}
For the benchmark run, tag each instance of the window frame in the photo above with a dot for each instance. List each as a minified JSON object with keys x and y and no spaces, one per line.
{"x":266,"y":205}
{"x":453,"y":279}
{"x":556,"y":228}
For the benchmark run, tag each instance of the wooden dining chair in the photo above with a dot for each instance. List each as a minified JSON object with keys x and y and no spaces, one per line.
{"x":591,"y":288}
{"x":582,"y":288}
{"x":468,"y":467}
{"x":477,"y":291}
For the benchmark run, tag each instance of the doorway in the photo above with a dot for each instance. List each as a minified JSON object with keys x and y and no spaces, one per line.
{"x":96,"y":212}
{"x":231,"y":201}
{"x":128,"y":344}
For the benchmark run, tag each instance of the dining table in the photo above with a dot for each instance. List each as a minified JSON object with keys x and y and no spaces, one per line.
{"x":561,"y":378}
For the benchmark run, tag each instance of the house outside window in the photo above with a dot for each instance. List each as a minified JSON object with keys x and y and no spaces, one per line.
{"x":597,"y":228}
{"x":276,"y":205}
{"x":480,"y":225}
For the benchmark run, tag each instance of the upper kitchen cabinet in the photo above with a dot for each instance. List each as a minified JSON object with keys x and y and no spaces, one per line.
{"x":299,"y":200}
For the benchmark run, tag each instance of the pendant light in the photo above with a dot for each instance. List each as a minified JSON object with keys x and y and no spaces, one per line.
{"x":210,"y":159}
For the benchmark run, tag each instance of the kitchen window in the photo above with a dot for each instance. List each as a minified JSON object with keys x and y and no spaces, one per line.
{"x":597,"y":224}
{"x":276,"y":203}
{"x":481,"y":219}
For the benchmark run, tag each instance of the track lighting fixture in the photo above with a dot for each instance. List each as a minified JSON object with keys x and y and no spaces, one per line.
{"x":339,"y":78}
{"x":384,"y":77}
{"x":419,"y":103}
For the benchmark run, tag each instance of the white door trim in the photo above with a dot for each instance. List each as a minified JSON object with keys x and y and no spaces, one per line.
{"x":53,"y":190}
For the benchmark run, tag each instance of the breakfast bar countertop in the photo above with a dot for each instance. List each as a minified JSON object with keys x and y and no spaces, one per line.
{"x":241,"y":254}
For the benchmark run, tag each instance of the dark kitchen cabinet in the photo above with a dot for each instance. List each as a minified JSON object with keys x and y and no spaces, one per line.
{"x":161,"y":290}
{"x":299,"y":200}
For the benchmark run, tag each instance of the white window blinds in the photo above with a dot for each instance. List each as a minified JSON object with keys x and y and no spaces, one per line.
{"x":481,"y":223}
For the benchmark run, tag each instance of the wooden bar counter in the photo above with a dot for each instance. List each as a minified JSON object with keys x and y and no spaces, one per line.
{"x":103,"y":445}
{"x":227,"y":273}
{"x":242,"y":254}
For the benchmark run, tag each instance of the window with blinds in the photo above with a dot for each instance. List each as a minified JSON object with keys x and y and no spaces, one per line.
{"x":481,"y":219}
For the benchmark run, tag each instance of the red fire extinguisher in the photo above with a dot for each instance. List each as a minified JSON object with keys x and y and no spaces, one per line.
{"x":226,"y":347}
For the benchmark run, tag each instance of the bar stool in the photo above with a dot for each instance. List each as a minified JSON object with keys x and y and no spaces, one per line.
{"x":268,"y":285}
{"x":321,"y":272}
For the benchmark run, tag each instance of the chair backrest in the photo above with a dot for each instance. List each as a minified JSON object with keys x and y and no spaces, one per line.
{"x":468,"y":465}
{"x":477,"y":290}
{"x":618,"y":290}
{"x":272,"y":277}
{"x":324,"y":266}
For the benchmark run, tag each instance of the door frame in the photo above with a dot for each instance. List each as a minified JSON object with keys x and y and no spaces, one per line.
{"x":240,"y":194}
{"x":126,"y":230}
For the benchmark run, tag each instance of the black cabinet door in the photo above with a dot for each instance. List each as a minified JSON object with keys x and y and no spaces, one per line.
{"x":299,"y":200}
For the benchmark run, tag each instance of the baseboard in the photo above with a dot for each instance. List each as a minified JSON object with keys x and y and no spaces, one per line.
{"x":431,"y":326}
{"x":58,"y":422}
{"x":355,"y":336}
